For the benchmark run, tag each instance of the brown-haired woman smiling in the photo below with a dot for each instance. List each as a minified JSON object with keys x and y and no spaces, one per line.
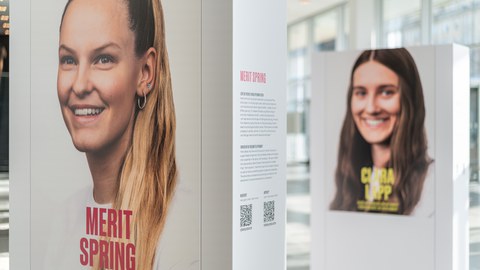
{"x":382,"y":158}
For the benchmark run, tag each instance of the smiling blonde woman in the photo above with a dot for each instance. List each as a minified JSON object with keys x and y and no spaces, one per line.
{"x":115,"y":95}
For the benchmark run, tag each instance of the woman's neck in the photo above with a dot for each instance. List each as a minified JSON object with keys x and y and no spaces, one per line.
{"x":381,"y":155}
{"x":105,"y":167}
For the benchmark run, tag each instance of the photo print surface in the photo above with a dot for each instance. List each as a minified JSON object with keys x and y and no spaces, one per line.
{"x":379,"y":137}
{"x":106,"y":170}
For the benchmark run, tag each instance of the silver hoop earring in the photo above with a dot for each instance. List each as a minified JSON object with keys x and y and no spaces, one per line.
{"x":149,"y":86}
{"x":141,"y":106}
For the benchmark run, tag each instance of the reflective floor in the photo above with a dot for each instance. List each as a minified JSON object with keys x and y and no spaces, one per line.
{"x":298,"y":219}
{"x":475,"y":226}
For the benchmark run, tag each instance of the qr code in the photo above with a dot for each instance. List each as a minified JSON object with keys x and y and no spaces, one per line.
{"x":269,"y":211}
{"x":245,"y":215}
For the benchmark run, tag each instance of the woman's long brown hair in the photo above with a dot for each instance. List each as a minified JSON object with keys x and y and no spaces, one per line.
{"x":409,"y":158}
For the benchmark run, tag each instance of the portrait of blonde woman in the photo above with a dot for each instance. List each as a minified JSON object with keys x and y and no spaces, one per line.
{"x":115,"y":95}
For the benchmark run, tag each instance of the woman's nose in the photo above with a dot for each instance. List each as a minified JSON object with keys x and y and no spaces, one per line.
{"x":371,"y":106}
{"x":82,"y":85}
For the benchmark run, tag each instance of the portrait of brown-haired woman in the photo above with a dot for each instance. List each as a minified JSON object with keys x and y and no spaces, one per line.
{"x":382,"y":155}
{"x":115,"y":94}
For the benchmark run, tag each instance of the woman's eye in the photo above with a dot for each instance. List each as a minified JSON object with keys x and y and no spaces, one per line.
{"x":388,"y":92}
{"x":360,"y":93}
{"x":67,"y":60}
{"x":104,"y":59}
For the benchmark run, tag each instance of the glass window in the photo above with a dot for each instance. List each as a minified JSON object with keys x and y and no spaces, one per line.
{"x":296,"y":63}
{"x":452,"y":21}
{"x":476,"y":22}
{"x":326,"y":31}
{"x":298,"y":71}
{"x":297,"y":50}
{"x":475,"y":64}
{"x":401,"y":23}
{"x":346,"y":25}
{"x":298,"y":36}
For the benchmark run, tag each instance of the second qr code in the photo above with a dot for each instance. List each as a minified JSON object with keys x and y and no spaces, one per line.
{"x":269,"y":211}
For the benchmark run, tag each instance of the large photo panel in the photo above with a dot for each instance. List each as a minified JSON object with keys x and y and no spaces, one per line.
{"x":373,"y":157}
{"x":379,"y":131}
{"x":115,"y":135}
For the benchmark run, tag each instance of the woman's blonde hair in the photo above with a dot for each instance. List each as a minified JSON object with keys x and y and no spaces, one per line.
{"x":149,"y":173}
{"x":148,"y":176}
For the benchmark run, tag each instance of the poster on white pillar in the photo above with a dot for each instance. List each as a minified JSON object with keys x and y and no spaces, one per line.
{"x":110,"y":188}
{"x":374,"y":156}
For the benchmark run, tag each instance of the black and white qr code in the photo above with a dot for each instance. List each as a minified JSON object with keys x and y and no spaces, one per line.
{"x":268,"y":211}
{"x":245,"y":215}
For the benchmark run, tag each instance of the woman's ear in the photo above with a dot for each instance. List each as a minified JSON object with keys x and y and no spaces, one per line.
{"x":147,"y":72}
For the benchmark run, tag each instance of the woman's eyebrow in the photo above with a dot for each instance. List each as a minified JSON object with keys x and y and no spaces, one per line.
{"x":96,"y":50}
{"x":66,"y":48}
{"x":387,"y":85}
{"x":105,"y":46}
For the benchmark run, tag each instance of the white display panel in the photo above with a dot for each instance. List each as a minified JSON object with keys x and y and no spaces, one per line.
{"x":371,"y":238}
{"x":259,"y":103}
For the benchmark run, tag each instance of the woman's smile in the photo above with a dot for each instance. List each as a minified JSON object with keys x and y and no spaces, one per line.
{"x":84,"y":115}
{"x":375,"y":122}
{"x":87,"y":111}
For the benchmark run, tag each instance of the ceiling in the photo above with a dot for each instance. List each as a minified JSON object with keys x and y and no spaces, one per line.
{"x":297,"y":10}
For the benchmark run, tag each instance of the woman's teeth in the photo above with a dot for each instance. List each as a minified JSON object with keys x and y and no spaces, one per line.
{"x":374,"y":122}
{"x":87,"y":112}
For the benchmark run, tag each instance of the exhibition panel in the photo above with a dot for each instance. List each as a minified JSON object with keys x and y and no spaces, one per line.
{"x":389,"y":164}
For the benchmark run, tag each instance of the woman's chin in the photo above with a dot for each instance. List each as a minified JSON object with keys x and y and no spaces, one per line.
{"x":380,"y":140}
{"x":83,"y":146}
{"x":80,"y":148}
